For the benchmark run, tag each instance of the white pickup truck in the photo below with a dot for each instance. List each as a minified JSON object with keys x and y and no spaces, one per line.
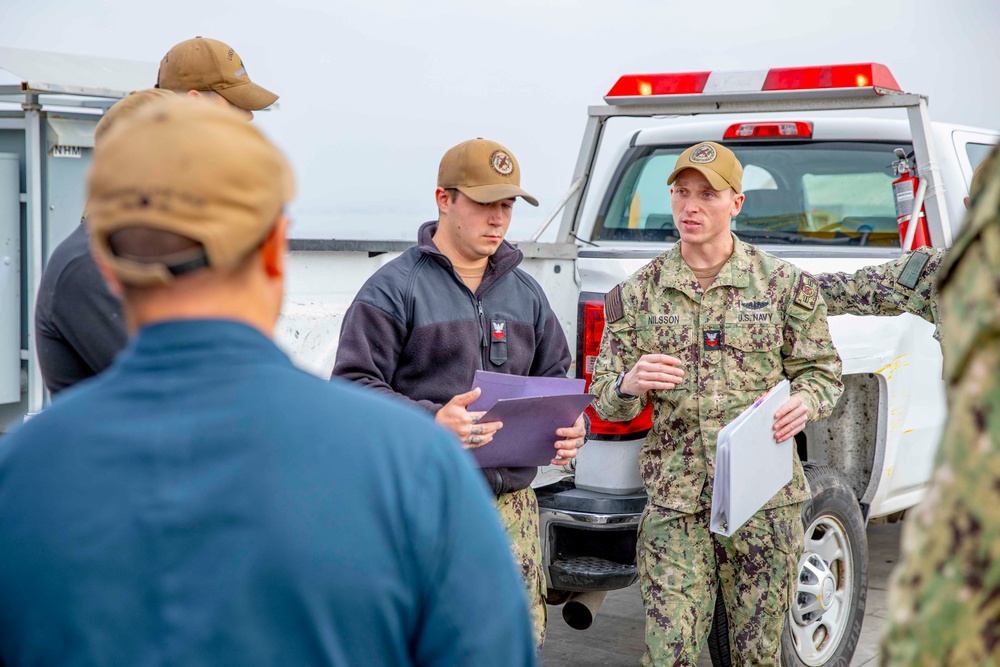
{"x":818,"y":182}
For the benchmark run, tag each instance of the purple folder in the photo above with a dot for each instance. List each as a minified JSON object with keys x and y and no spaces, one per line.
{"x":528,"y":435}
{"x":501,"y":385}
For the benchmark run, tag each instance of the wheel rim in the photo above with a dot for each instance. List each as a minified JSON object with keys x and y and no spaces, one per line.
{"x":819,"y":613}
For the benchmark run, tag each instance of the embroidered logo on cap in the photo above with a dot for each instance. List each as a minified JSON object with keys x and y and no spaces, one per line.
{"x":702,"y":154}
{"x":713,"y":339}
{"x":499,"y":330}
{"x":501,"y":163}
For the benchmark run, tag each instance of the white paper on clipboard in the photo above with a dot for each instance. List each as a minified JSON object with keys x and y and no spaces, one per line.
{"x":750,"y":467}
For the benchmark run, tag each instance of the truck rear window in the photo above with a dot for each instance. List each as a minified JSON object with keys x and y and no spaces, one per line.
{"x":796,"y":193}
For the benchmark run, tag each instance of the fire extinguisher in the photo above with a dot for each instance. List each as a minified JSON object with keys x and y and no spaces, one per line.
{"x":909,"y":193}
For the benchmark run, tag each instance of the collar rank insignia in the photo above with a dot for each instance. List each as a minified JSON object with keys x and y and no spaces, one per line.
{"x":499,"y":330}
{"x":713,"y":339}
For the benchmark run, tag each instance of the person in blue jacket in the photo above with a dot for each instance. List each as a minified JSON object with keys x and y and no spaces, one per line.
{"x":204,"y":502}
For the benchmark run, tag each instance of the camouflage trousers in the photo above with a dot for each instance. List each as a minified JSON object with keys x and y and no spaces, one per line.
{"x":519,"y":516}
{"x":681,"y":566}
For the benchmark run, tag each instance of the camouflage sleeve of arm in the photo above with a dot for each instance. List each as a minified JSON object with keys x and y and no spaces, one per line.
{"x":867,"y":291}
{"x":619,"y":352}
{"x":810,"y":360}
{"x":904,"y":285}
{"x":923,"y":301}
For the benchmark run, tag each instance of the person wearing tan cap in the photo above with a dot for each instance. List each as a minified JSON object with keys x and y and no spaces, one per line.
{"x":204,"y":502}
{"x":208,"y":68}
{"x":79,"y":323}
{"x":702,"y":332}
{"x":455,"y":303}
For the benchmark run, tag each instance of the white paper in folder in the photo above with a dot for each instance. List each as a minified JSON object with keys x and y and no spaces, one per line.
{"x":750,"y":467}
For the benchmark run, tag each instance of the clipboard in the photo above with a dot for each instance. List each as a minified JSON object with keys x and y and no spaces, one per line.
{"x":750,"y":467}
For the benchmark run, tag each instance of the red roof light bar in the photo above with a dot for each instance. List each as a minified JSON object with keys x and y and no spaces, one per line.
{"x":871,"y":77}
{"x":861,"y":75}
{"x":687,"y":83}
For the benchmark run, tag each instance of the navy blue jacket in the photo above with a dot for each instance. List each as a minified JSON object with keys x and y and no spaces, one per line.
{"x":416,"y":331}
{"x":204,"y":502}
{"x":79,"y":324}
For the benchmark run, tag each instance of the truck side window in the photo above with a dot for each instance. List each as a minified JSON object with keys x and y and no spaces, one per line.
{"x":977,"y":153}
{"x":852,"y":204}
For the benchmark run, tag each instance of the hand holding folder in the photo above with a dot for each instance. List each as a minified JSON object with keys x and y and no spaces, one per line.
{"x":750,"y":467}
{"x":531,"y":409}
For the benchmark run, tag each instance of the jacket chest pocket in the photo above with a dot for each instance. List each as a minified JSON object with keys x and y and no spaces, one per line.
{"x":676,"y":341}
{"x":753,"y":357}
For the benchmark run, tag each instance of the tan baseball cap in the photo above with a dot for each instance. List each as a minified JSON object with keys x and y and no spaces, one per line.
{"x":482,"y":170}
{"x":197,"y":170}
{"x":207,"y":64}
{"x":716,"y":162}
{"x":126,"y":107}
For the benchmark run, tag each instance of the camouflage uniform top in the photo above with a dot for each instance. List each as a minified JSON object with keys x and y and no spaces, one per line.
{"x":760,"y":321}
{"x":945,"y":594}
{"x":969,"y":280}
{"x":904,"y":285}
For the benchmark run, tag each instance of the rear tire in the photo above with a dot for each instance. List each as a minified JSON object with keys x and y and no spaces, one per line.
{"x":820,"y":631}
{"x":824,"y":620}
{"x":718,"y":636}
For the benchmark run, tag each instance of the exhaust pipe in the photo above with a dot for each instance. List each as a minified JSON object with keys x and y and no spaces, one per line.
{"x":580,"y":610}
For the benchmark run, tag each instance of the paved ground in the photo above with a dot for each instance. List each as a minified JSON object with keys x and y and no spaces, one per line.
{"x":616,"y":638}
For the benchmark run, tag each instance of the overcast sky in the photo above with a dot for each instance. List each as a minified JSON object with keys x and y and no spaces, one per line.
{"x":373,"y":92}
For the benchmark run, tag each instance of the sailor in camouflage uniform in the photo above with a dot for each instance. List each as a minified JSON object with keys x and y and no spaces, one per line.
{"x":944,"y":598}
{"x":703,"y":331}
{"x":904,"y":285}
